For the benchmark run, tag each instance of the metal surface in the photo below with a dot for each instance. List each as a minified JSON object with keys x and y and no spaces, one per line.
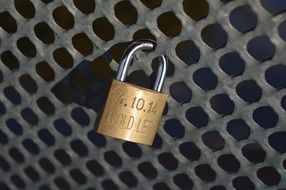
{"x":223,"y":128}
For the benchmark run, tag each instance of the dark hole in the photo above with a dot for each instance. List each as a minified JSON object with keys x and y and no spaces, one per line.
{"x":148,"y":170}
{"x":109,"y":185}
{"x":161,"y":186}
{"x":170,"y":30}
{"x":46,"y":137}
{"x":63,"y":127}
{"x":95,"y":168}
{"x":26,"y":47}
{"x":79,"y":115}
{"x":282,"y":30}
{"x":238,"y":129}
{"x":125,"y":12}
{"x":261,"y":48}
{"x":62,"y":183}
{"x":196,"y":9}
{"x":183,"y":181}
{"x":197,"y":116}
{"x":243,"y":18}
{"x":132,"y":149}
{"x":12,"y":95}
{"x":188,"y":52}
{"x":226,"y":1}
{"x":100,"y":69}
{"x":276,"y":76}
{"x":139,"y":78}
{"x":3,"y":137}
{"x":205,"y":172}
{"x":47,"y":1}
{"x":205,"y":79}
{"x":63,"y":58}
{"x":243,"y":183}
{"x":103,"y":29}
{"x":28,"y":83}
{"x":265,"y":117}
{"x":222,"y":104}
{"x":174,"y":128}
{"x":1,"y":76}
{"x":47,"y":165}
{"x":213,"y":140}
{"x":283,"y":103}
{"x":152,"y":4}
{"x":78,"y":176}
{"x":79,"y":148}
{"x":214,"y":36}
{"x":44,"y":187}
{"x":128,"y":178}
{"x":85,"y":6}
{"x":249,"y":91}
{"x":277,"y":141}
{"x":25,"y":8}
{"x":113,"y":158}
{"x":2,"y":108}
{"x":19,"y":182}
{"x":63,"y":93}
{"x":218,"y":187}
{"x":168,"y":161}
{"x":180,"y":92}
{"x":158,"y":142}
{"x":232,"y":64}
{"x":3,"y":186}
{"x":30,"y":116}
{"x":46,"y":105}
{"x":254,"y":153}
{"x":45,"y":71}
{"x":82,"y":83}
{"x":269,"y":176}
{"x":155,"y":67}
{"x":62,"y":157}
{"x":14,"y":126}
{"x":276,"y":7}
{"x":4,"y":165}
{"x":32,"y":173}
{"x":44,"y":32}
{"x":7,"y":22}
{"x":31,"y":146}
{"x":284,"y":164}
{"x":10,"y":60}
{"x":82,"y":44}
{"x":229,"y":163}
{"x":96,"y":138}
{"x":143,"y":34}
{"x":117,"y":51}
{"x":16,"y":155}
{"x":190,"y":151}
{"x":63,"y":18}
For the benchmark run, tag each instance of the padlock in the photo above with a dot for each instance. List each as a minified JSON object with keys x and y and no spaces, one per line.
{"x":132,"y":112}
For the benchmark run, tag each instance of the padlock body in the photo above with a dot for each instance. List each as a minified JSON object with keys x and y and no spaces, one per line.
{"x":132,"y":113}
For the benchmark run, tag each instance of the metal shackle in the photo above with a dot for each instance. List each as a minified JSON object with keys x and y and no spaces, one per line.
{"x":127,"y":58}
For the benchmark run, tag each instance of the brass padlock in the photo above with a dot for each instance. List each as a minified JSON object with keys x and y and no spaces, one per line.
{"x":131,"y":112}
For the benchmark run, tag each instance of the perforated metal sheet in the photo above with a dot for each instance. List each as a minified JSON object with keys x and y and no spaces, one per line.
{"x":223,"y":128}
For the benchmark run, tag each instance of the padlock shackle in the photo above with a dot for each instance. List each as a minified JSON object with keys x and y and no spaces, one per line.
{"x":127,"y":58}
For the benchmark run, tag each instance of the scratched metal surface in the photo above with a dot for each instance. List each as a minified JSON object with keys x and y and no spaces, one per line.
{"x":223,"y":128}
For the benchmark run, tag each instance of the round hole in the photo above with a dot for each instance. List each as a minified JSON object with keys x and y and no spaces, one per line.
{"x":160,"y":186}
{"x":232,"y":64}
{"x":205,"y":172}
{"x":26,"y":47}
{"x":269,"y":176}
{"x":229,"y":163}
{"x":190,"y":151}
{"x":218,"y":187}
{"x":79,"y":147}
{"x":63,"y":18}
{"x":17,"y":181}
{"x":132,"y":149}
{"x":96,"y":138}
{"x":197,"y":116}
{"x":188,"y":52}
{"x":95,"y":168}
{"x":103,"y":29}
{"x":46,"y":105}
{"x":78,"y":176}
{"x":214,"y":36}
{"x":254,"y":153}
{"x":276,"y":7}
{"x":47,"y":165}
{"x":31,"y":146}
{"x":143,"y":34}
{"x":14,"y":126}
{"x":82,"y":44}
{"x":238,"y":129}
{"x":261,"y":48}
{"x":32,"y":173}
{"x":85,"y":6}
{"x":79,"y":115}
{"x":3,"y":138}
{"x":196,"y":9}
{"x":125,"y":12}
{"x":265,"y":117}
{"x":174,"y":128}
{"x":148,"y":170}
{"x":63,"y":58}
{"x":243,"y":182}
{"x":243,"y":18}
{"x":249,"y":91}
{"x":205,"y":79}
{"x":180,"y":92}
{"x":62,"y":157}
{"x":29,"y":116}
{"x":168,"y":161}
{"x":183,"y":181}
{"x":25,"y":8}
{"x":28,"y":83}
{"x":12,"y":95}
{"x":16,"y":155}
{"x":282,"y":30}
{"x":152,"y":4}
{"x":46,"y":137}
{"x":7,"y":22}
{"x":213,"y":140}
{"x":170,"y":30}
{"x":63,"y":127}
{"x":113,"y":158}
{"x":277,"y":141}
{"x":61,"y":183}
{"x":45,"y":71}
{"x":222,"y":104}
{"x":44,"y":32}
{"x":128,"y":178}
{"x":276,"y":76}
{"x":109,"y":185}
